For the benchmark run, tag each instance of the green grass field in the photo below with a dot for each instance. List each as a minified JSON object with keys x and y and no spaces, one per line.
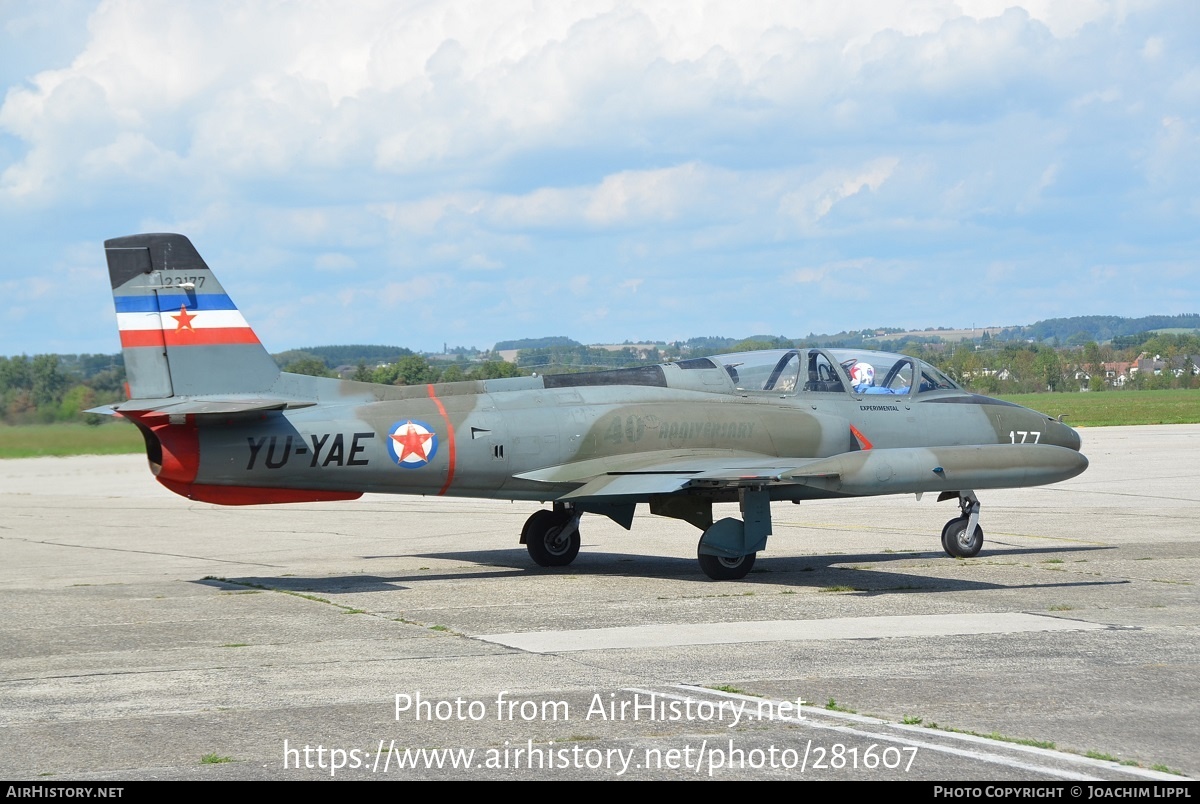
{"x":1111,"y":408}
{"x":34,"y":440}
{"x":1102,"y":409}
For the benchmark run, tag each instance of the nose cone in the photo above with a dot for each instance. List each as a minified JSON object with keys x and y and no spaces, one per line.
{"x":1065,"y":464}
{"x":1064,"y":436}
{"x":1053,"y":431}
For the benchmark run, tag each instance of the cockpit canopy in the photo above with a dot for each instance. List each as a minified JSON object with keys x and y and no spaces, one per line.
{"x":855,"y":371}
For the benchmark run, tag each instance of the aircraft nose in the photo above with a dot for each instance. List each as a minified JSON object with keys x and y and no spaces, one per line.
{"x":1065,"y":436}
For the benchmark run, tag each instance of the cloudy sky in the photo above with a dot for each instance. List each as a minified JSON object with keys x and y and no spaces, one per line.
{"x":416,"y":173}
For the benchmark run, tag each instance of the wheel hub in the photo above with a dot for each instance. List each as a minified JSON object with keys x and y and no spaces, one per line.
{"x":555,"y":541}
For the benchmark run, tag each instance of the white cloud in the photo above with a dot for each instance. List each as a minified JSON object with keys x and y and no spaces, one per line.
{"x":266,"y":89}
{"x":482,"y":262}
{"x":813,"y":201}
{"x":1153,"y":49}
{"x":805,"y":276}
{"x":333,"y":261}
{"x":580,"y":285}
{"x":490,"y":149}
{"x":837,"y":270}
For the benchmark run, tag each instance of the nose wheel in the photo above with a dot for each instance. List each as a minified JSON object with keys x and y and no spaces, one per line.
{"x":552,"y":537}
{"x":962,"y":537}
{"x":957,"y":542}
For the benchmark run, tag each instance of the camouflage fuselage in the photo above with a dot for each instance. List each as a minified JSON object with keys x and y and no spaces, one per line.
{"x":479,"y":438}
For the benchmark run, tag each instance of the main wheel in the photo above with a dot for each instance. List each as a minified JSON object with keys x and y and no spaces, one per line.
{"x":720,"y":568}
{"x":957,"y":542}
{"x":547,"y":540}
{"x":946,"y":531}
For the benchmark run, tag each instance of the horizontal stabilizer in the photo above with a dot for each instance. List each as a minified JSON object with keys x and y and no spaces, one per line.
{"x":200,"y":407}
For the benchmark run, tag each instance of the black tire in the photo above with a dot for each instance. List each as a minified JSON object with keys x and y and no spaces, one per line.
{"x":720,"y":568}
{"x":544,"y":539}
{"x":955,"y":539}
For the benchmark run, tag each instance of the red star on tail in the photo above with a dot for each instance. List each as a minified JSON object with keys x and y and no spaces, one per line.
{"x":183,"y":320}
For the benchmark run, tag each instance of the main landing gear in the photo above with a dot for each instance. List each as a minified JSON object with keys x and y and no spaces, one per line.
{"x":728,"y":547}
{"x":552,"y":537}
{"x":962,"y":537}
{"x":720,"y":568}
{"x":726,"y":550}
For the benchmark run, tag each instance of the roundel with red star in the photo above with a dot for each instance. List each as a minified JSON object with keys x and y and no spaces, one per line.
{"x":412,"y":444}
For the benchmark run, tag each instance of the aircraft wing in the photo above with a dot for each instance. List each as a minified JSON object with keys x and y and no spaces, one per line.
{"x":644,"y":474}
{"x":857,"y":473}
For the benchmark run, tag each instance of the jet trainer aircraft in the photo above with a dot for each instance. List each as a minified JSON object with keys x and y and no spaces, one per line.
{"x":223,"y":424}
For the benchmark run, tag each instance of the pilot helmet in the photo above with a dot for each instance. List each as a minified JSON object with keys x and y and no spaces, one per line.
{"x":862,"y":373}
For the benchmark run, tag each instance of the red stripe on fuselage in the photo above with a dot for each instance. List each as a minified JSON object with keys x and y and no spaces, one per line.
{"x":218,"y":336}
{"x":863,"y":442}
{"x":453,"y":449}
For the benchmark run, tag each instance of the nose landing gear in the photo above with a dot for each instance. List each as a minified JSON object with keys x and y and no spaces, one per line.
{"x":962,"y":537}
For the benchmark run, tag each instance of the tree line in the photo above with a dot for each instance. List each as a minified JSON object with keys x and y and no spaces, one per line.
{"x":58,"y":388}
{"x":411,"y":369}
{"x":1018,"y":368}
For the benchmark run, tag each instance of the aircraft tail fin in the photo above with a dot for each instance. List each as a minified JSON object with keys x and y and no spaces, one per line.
{"x":181,"y":335}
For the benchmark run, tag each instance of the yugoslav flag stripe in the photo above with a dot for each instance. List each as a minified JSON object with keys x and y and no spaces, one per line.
{"x":165,"y":302}
{"x":187,"y":337}
{"x":170,"y":320}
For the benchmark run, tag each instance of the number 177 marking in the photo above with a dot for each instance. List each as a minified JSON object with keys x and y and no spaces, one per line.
{"x":1027,"y":436}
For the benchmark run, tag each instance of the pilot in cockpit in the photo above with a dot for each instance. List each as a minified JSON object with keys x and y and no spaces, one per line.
{"x":862,"y":377}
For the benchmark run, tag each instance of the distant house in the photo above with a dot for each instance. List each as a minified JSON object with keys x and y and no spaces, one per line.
{"x":1185,"y":364}
{"x":1119,"y":373}
{"x":1150,"y":365}
{"x":985,"y":372}
{"x":641,"y":350}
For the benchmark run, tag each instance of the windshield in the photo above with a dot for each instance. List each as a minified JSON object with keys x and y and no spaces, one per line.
{"x":858,"y":371}
{"x":886,"y":373}
{"x":772,"y":370}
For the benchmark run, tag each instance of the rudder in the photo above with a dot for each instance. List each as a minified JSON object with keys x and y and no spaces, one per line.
{"x":181,"y":334}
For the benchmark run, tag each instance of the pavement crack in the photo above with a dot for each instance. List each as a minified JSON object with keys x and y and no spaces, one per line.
{"x":142,"y":552}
